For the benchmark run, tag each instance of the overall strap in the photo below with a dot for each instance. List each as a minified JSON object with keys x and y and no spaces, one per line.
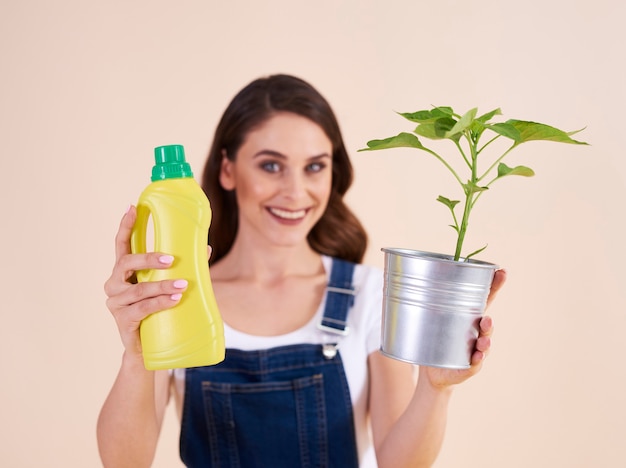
{"x":339,"y":298}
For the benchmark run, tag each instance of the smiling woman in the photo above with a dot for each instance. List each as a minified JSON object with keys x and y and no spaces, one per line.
{"x":303,"y":382}
{"x":281,"y":177}
{"x":338,"y":233}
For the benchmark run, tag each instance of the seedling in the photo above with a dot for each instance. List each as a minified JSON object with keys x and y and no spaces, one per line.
{"x":471,"y":135}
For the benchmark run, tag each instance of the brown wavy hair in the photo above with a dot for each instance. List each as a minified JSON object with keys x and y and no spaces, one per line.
{"x":338,"y":233}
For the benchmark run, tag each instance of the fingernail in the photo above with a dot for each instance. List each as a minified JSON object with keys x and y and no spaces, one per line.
{"x":166,"y":259}
{"x":176,"y":297}
{"x":180,"y":284}
{"x":129,"y":207}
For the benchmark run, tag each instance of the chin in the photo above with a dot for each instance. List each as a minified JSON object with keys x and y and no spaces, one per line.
{"x":289,"y":241}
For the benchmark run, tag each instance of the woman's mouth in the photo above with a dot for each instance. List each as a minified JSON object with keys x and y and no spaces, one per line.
{"x":287,"y":214}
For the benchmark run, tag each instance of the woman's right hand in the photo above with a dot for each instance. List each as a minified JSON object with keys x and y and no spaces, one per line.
{"x":130,"y":302}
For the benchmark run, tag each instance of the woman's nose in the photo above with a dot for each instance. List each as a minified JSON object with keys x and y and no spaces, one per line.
{"x":293,"y":185}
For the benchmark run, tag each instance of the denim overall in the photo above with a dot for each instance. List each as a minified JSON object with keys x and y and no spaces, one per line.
{"x":287,"y":406}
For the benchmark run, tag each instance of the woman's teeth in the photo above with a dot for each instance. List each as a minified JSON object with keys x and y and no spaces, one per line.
{"x":287,"y":214}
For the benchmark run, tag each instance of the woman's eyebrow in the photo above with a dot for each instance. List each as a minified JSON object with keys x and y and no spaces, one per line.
{"x":268,"y":152}
{"x":319,"y":156}
{"x":278,"y":154}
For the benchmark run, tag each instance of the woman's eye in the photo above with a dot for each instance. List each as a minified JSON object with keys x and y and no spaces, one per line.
{"x":270,"y":166}
{"x":315,"y":167}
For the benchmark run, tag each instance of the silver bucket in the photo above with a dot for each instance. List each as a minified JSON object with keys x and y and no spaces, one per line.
{"x":432,"y":306}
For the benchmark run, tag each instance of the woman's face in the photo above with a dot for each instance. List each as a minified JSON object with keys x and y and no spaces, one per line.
{"x":282,"y":177}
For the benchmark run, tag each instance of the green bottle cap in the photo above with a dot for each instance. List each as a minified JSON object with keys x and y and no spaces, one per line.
{"x":170,"y":163}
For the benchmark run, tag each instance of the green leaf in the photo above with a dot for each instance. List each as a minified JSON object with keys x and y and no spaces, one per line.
{"x":445,"y":110}
{"x":537,"y":131}
{"x":437,"y":129}
{"x":504,"y":170}
{"x":402,"y":140}
{"x":475,"y":252}
{"x":426,"y":116}
{"x":463,"y":124}
{"x":489,"y":115}
{"x":477,"y":126}
{"x":450,"y":204}
{"x":576,"y":131}
{"x":506,"y":130}
{"x":428,"y":130}
{"x":444,"y":125}
{"x":471,"y":187}
{"x":446,"y":201}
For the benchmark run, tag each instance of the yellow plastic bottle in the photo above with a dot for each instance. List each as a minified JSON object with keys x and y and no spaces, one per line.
{"x":191,"y":333}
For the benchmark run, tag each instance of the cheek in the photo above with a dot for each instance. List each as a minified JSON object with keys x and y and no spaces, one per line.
{"x":257,"y":190}
{"x":322,"y":187}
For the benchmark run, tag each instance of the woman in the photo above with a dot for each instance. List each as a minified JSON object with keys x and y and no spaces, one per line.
{"x":303,"y":383}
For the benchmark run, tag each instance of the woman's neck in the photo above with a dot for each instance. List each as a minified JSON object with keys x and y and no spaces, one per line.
{"x":267,"y":264}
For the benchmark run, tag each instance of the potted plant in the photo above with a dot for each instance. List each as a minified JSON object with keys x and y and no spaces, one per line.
{"x":433,"y":302}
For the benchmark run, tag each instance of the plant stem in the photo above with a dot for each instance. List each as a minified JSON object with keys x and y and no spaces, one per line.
{"x":497,"y":161}
{"x":469,"y":195}
{"x":445,"y":163}
{"x":486,"y":144}
{"x":464,"y":223}
{"x":460,"y":148}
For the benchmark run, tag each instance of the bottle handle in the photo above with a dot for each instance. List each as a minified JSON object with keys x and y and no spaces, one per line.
{"x":138,"y":234}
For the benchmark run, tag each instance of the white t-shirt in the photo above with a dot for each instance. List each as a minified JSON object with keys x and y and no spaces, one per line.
{"x":363,"y":338}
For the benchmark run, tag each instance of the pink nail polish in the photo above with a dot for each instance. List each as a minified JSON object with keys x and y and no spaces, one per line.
{"x":176,"y":297}
{"x":180,"y":284}
{"x":166,"y":259}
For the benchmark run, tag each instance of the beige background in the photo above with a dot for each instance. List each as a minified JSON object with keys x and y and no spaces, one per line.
{"x":89,"y":88}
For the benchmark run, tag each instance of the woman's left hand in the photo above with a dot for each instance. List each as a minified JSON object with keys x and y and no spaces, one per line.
{"x":439,"y":377}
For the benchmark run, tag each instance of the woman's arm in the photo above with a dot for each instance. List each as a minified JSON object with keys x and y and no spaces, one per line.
{"x":408,"y":420}
{"x":130,"y":419}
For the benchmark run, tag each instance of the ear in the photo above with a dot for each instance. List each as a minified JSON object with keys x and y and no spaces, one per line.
{"x":227,"y":176}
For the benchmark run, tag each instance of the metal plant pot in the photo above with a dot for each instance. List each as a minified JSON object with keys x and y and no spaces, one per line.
{"x":432,"y":306}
